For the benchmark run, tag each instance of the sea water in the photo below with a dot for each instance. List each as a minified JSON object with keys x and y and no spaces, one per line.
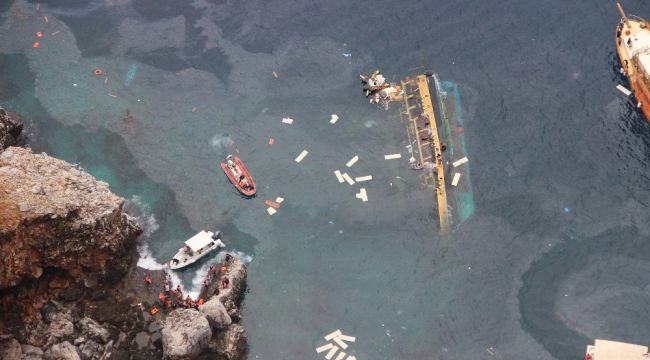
{"x":546,"y":130}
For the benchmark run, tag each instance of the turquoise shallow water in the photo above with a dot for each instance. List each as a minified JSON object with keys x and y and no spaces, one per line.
{"x":546,"y":130}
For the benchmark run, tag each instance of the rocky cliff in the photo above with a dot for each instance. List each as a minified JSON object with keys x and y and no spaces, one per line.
{"x":69,"y":287}
{"x":54,"y":216}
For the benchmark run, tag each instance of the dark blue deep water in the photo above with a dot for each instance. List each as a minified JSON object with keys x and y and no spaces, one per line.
{"x":555,"y":255}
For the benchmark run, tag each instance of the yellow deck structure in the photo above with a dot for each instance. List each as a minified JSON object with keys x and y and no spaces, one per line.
{"x":417,"y":100}
{"x":614,"y":350}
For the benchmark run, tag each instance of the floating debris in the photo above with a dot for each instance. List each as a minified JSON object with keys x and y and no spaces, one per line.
{"x":392,"y":156}
{"x":287,"y":120}
{"x":347,"y":55}
{"x":334,"y":119}
{"x":55,"y":33}
{"x":363,"y":178}
{"x":279,"y":200}
{"x":112,"y":95}
{"x":46,"y":19}
{"x":362,"y":194}
{"x":302,"y":156}
{"x":352,"y":161}
{"x":271,"y":210}
{"x":348,"y":178}
{"x":275,"y":75}
{"x":454,"y":181}
{"x":624,"y":90}
{"x":273,"y":204}
{"x":194,"y":109}
{"x":460,"y":162}
{"x":338,"y":176}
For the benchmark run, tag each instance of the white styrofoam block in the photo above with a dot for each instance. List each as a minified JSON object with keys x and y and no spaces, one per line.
{"x":302,"y":156}
{"x":362,"y":194}
{"x":363,"y":178}
{"x":333,"y":334}
{"x":271,"y":210}
{"x":348,"y":178}
{"x":334,"y":119}
{"x":347,"y":338}
{"x":392,"y":156}
{"x":341,"y":355}
{"x":352,"y":161}
{"x":287,"y":120}
{"x":338,"y":176}
{"x":455,"y":180}
{"x":624,"y":90}
{"x":279,"y":200}
{"x":460,"y":162}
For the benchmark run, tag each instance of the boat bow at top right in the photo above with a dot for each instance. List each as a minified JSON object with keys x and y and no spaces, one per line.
{"x":633,"y":48}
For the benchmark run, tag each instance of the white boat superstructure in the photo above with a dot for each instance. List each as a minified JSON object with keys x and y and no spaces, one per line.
{"x":195,"y":248}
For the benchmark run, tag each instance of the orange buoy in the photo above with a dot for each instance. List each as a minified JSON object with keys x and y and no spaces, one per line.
{"x":39,"y":34}
{"x":271,"y":141}
{"x":98,"y":72}
{"x":36,"y":45}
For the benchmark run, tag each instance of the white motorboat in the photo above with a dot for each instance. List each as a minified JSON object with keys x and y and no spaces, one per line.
{"x":195,"y":248}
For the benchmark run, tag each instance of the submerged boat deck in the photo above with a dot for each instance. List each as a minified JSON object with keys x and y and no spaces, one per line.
{"x":422,"y":124}
{"x":432,"y":113}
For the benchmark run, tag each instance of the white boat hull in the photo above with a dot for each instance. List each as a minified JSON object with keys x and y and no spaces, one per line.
{"x":185,"y":258}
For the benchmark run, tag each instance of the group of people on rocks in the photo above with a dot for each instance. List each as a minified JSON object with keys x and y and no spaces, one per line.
{"x":173,"y":298}
{"x":212,"y":273}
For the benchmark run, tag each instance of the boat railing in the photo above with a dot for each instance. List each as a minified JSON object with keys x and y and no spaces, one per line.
{"x":637,"y":18}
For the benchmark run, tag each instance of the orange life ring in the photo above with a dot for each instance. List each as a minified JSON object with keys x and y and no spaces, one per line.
{"x":98,"y":72}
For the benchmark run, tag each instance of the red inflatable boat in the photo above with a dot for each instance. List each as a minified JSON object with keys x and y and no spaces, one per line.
{"x":239,"y":175}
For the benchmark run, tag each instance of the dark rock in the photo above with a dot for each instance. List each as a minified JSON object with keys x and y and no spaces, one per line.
{"x":62,"y":351}
{"x":73,"y":293}
{"x":29,"y":350}
{"x":230,"y":343}
{"x":156,"y":340}
{"x":185,"y":335}
{"x":10,"y":350}
{"x":11,"y":125}
{"x":61,"y":326}
{"x":153,"y":327}
{"x":142,"y":340}
{"x":93,"y":330}
{"x":49,"y":312}
{"x":91,"y":350}
{"x":216,"y":313}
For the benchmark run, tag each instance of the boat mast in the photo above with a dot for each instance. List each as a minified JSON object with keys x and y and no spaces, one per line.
{"x":623,"y":16}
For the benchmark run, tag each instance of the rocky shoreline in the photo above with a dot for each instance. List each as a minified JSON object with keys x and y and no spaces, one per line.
{"x":69,"y":287}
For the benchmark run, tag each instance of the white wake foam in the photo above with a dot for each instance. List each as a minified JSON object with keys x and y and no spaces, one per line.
{"x":145,"y":219}
{"x":219,"y":141}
